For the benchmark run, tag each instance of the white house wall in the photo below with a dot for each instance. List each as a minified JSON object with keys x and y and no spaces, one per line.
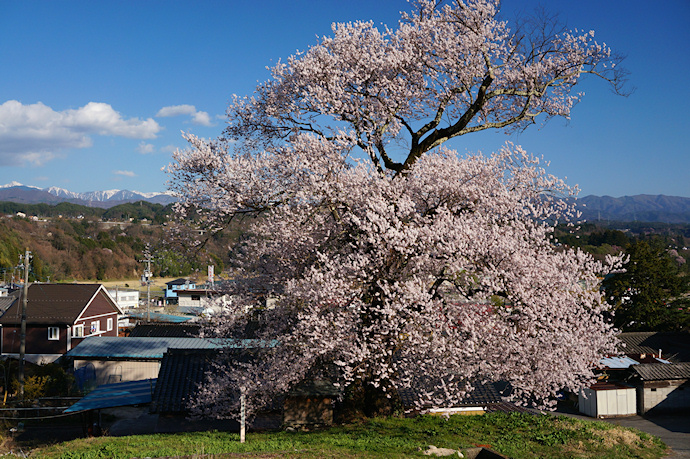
{"x":113,"y":371}
{"x":126,"y":299}
{"x":587,"y":402}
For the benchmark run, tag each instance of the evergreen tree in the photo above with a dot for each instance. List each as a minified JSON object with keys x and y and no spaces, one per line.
{"x":647,"y":295}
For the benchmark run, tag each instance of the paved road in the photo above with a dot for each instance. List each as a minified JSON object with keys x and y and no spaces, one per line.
{"x":673,"y":429}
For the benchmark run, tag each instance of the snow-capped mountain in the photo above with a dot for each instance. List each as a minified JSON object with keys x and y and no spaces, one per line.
{"x":17,"y":192}
{"x":649,"y":208}
{"x":62,"y":193}
{"x":14,"y":184}
{"x":107,"y":195}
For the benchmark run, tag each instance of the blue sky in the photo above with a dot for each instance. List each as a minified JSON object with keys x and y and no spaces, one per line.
{"x":94,"y":94}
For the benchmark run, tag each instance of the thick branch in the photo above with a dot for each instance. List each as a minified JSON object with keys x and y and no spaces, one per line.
{"x":439,"y":136}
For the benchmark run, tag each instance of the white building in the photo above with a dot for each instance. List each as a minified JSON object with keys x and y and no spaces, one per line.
{"x":125,"y":298}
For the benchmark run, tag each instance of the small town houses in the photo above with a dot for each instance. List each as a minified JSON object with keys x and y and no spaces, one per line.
{"x":79,"y":323}
{"x":651,"y":374}
{"x":58,"y":318}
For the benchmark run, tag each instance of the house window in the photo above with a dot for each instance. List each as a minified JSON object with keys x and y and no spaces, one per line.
{"x":78,"y":331}
{"x":95,"y":327}
{"x":53,"y":333}
{"x":110,"y":323}
{"x":196,"y":298}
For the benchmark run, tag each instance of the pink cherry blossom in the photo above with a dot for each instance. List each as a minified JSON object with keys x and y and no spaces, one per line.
{"x":434,"y":270}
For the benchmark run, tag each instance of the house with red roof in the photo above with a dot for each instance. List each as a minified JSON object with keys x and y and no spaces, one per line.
{"x":58,"y":317}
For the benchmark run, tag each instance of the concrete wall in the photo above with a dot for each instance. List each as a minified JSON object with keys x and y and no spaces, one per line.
{"x":658,"y":396}
{"x":186,"y":300}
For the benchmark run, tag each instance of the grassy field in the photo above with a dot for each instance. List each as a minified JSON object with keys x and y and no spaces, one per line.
{"x":514,"y":435}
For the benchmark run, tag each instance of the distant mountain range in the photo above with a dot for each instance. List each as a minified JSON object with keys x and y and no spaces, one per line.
{"x":638,"y":208}
{"x":16,"y":192}
{"x":641,"y":207}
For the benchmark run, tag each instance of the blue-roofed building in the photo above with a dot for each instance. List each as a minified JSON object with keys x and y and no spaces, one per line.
{"x":159,"y":317}
{"x":115,"y":395}
{"x":172,"y":287}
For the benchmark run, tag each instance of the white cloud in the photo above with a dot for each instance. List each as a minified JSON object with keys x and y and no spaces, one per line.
{"x":176,"y":110}
{"x":198,"y":117}
{"x":145,"y":148}
{"x":33,"y":133}
{"x":202,"y":118}
{"x":125,"y":173}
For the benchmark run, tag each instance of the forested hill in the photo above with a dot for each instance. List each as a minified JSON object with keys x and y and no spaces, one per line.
{"x":139,"y":210}
{"x":638,"y":208}
{"x":72,"y":242}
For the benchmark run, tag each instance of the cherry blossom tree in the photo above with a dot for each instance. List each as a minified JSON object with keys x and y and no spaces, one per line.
{"x":394,"y":261}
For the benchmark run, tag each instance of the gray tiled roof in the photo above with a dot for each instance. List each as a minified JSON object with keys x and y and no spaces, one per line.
{"x":314,"y":389}
{"x":179,"y":281}
{"x":662,"y":371}
{"x":483,"y":394}
{"x":182,"y":370}
{"x":674,"y":346}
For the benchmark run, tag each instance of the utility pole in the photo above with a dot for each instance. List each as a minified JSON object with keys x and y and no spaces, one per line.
{"x":243,"y":410}
{"x":22,"y":333}
{"x":147,"y":278}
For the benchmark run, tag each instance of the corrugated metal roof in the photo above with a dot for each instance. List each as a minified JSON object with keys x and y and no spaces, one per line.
{"x":114,"y":347}
{"x":6,"y":302}
{"x":608,"y":385}
{"x":194,"y":291}
{"x":118,"y":394}
{"x":182,"y":370}
{"x":616,"y":363}
{"x":135,"y":348}
{"x":662,"y":371}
